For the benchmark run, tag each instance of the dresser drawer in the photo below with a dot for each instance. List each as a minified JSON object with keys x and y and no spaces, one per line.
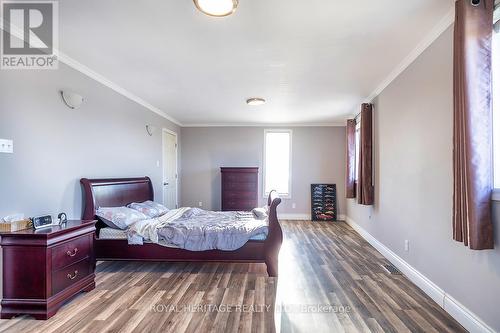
{"x":234,"y":204}
{"x":240,"y":195}
{"x":70,"y":252}
{"x":65,"y":277}
{"x":240,"y":187}
{"x":240,"y":177}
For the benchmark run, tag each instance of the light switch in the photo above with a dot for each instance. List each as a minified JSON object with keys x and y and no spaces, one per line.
{"x":6,"y":146}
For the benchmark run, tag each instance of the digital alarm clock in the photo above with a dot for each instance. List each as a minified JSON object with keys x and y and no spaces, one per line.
{"x":42,"y":221}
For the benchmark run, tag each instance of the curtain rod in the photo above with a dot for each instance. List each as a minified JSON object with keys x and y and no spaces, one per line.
{"x":359,"y":114}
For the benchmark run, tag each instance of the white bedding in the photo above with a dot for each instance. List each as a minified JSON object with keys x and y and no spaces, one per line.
{"x":201,"y":230}
{"x":193,"y":229}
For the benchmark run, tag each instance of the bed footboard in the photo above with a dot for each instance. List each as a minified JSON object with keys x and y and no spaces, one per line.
{"x":274,"y":238}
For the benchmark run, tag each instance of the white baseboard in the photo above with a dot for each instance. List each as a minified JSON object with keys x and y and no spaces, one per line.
{"x":302,"y":217}
{"x":458,"y":311}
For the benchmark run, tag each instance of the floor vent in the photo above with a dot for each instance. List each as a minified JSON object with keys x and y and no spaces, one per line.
{"x":391,"y":269}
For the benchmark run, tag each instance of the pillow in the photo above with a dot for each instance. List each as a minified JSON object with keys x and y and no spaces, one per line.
{"x":120,"y":217}
{"x":162,"y":210}
{"x":149,"y":208}
{"x":145,"y":209}
{"x":192,"y":212}
{"x":260,"y":213}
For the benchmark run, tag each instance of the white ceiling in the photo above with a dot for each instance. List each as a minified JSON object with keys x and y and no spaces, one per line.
{"x":313,"y":60}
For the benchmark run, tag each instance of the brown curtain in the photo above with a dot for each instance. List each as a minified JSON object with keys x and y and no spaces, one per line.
{"x":350,"y":181}
{"x":365,"y":167}
{"x":472,"y":125}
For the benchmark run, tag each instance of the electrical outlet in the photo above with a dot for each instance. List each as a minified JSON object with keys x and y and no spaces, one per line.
{"x":158,"y":163}
{"x":407,"y":245}
{"x":6,"y":146}
{"x":200,"y":204}
{"x":294,"y":205}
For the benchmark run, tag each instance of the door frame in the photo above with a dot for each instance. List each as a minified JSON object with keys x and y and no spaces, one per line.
{"x":164,"y":132}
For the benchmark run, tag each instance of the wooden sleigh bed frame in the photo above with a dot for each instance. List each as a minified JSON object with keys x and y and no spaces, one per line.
{"x":121,"y":192}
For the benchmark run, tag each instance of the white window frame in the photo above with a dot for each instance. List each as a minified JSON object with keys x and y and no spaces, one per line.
{"x":290,"y":158}
{"x":496,"y":102}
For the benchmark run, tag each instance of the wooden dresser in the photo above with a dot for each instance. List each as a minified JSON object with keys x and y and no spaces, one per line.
{"x":44,"y":268}
{"x":239,"y":188}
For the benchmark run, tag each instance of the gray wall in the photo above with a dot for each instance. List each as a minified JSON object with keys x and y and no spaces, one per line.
{"x":55,"y":146}
{"x":413,"y":179}
{"x":318,"y":155}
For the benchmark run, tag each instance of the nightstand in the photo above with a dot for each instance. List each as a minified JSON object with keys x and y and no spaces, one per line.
{"x":44,"y":268}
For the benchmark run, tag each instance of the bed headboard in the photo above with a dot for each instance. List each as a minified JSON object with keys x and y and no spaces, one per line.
{"x":113,"y":193}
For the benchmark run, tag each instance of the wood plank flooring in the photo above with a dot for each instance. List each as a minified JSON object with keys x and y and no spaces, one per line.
{"x":330,"y":281}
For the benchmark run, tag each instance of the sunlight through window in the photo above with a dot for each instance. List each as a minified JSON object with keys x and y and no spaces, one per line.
{"x":277,"y":155}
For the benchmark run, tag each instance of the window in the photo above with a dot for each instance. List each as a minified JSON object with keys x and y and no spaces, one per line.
{"x":277,"y":162}
{"x":358,"y":134}
{"x":496,"y":97}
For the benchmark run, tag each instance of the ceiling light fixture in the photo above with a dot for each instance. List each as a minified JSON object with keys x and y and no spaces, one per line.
{"x":255,"y":101}
{"x":150,"y":129}
{"x":217,"y":8}
{"x":71,"y":99}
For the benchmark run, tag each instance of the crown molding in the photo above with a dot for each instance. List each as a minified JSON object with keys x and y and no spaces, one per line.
{"x":64,"y":58}
{"x":424,"y":44}
{"x":334,"y":124}
{"x":434,"y":34}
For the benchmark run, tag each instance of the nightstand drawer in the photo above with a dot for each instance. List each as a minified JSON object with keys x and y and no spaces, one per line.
{"x":38,"y":264}
{"x":65,"y":277}
{"x":70,"y":252}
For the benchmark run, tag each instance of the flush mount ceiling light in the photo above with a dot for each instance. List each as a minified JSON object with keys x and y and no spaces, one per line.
{"x":217,"y":8}
{"x":255,"y":101}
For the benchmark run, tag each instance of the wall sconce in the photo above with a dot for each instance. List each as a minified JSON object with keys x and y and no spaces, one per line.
{"x":71,"y":99}
{"x":150,"y":129}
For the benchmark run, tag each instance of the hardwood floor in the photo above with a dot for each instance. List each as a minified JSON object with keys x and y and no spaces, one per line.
{"x":330,"y":281}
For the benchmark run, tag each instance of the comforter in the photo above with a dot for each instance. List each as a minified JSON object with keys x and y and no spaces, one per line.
{"x":195,"y":229}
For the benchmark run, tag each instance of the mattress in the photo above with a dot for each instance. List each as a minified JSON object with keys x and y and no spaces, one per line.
{"x":111,"y":233}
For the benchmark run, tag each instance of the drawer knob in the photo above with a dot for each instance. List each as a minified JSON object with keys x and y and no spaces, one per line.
{"x":72,"y":253}
{"x":72,"y":277}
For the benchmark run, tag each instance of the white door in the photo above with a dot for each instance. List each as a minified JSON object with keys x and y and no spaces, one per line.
{"x":169,"y":169}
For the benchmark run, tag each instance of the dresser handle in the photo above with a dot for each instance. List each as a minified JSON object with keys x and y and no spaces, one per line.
{"x":72,"y":277}
{"x":72,"y":254}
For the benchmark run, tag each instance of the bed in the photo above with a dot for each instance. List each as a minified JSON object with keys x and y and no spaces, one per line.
{"x":123,"y":191}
